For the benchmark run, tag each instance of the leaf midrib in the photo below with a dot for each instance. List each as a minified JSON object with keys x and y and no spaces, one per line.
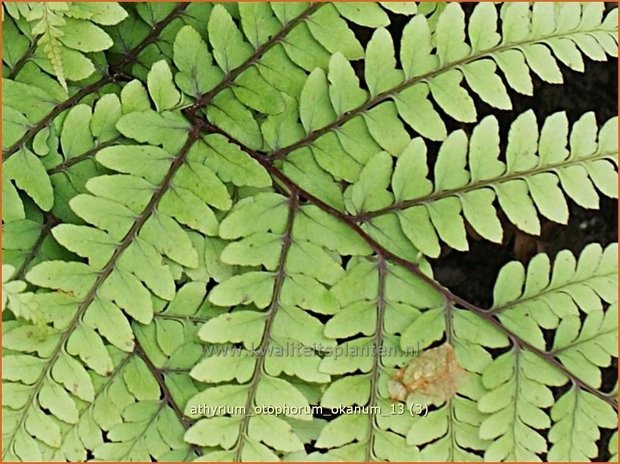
{"x":485,"y":183}
{"x":581,"y":341}
{"x":377,"y":350}
{"x":61,"y":167}
{"x":280,"y":275}
{"x":132,"y":56}
{"x":546,"y":291}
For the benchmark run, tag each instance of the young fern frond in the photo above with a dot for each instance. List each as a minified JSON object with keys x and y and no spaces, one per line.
{"x":49,"y":30}
{"x":396,"y":315}
{"x":62,"y":32}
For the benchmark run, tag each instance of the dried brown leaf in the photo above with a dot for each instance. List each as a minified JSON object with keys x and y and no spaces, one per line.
{"x":434,"y":376}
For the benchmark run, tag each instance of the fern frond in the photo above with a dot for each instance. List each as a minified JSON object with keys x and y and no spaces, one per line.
{"x":522,"y":47}
{"x":51,"y":177}
{"x":577,"y":417}
{"x":450,"y":432}
{"x":360,"y":436}
{"x":511,"y":440}
{"x":519,"y":391}
{"x":537,"y":176}
{"x":69,"y":162}
{"x":128,"y":232}
{"x":156,"y":374}
{"x":238,"y":76}
{"x":466,"y":433}
{"x":581,"y":353}
{"x":223,"y":235}
{"x":49,"y":27}
{"x":32,"y":101}
{"x":65,"y":31}
{"x":377,"y":300}
{"x":259,"y":63}
{"x":28,"y":242}
{"x":70,"y":156}
{"x":165,"y":353}
{"x":112,"y":241}
{"x":14,"y":297}
{"x":529,"y":302}
{"x":136,"y":395}
{"x":519,"y":381}
{"x":26,"y":170}
{"x":277,"y":324}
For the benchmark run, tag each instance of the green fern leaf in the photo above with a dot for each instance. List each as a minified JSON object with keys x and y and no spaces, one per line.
{"x":574,"y":286}
{"x":285,"y":323}
{"x":572,"y":442}
{"x":220,"y":224}
{"x":519,"y":391}
{"x":538,"y":174}
{"x":62,"y":32}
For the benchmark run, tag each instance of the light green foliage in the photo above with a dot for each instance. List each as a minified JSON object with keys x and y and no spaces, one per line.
{"x":14,"y":298}
{"x":215,"y":211}
{"x":575,"y":431}
{"x":541,"y":169}
{"x":276,"y":320}
{"x":546,"y":297}
{"x":412,"y":318}
{"x":519,"y":392}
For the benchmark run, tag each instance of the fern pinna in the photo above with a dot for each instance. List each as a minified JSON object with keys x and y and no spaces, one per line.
{"x":221,"y":223}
